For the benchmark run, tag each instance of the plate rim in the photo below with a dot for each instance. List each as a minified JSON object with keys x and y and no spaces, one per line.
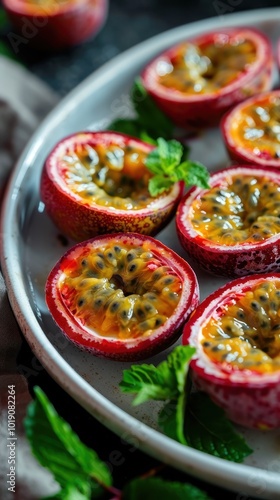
{"x":186,"y":459}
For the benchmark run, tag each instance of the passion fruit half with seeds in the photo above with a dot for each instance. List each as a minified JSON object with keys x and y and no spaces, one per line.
{"x":233,"y":228}
{"x":97,"y":183}
{"x":198,"y":80}
{"x":251,"y":130}
{"x":236,"y":333}
{"x":55,"y":24}
{"x":122,"y":296}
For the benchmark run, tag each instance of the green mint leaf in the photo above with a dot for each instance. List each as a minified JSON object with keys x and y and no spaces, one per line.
{"x":165,"y":157}
{"x":149,"y":382}
{"x":149,"y":116}
{"x":158,"y":184}
{"x":165,"y":163}
{"x":178,"y":361}
{"x":144,"y":136}
{"x":170,"y":154}
{"x":207,"y":429}
{"x":193,"y":174}
{"x":149,"y":122}
{"x":163,"y":382}
{"x":59,"y":449}
{"x":126,"y":126}
{"x":189,"y":418}
{"x":155,"y":487}
{"x":153,"y":162}
{"x":131,"y":127}
{"x":70,"y":492}
{"x":172,"y":416}
{"x":171,"y":419}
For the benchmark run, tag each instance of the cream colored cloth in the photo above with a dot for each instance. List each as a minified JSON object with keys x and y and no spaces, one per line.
{"x":24,"y":101}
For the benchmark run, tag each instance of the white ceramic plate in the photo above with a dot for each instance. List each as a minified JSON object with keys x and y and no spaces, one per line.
{"x":30,"y":247}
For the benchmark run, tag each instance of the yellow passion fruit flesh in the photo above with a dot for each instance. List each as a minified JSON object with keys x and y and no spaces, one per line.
{"x":198,"y":80}
{"x":236,"y":332}
{"x":97,"y":183}
{"x":233,"y":228}
{"x":124,"y":296}
{"x":251,"y":130}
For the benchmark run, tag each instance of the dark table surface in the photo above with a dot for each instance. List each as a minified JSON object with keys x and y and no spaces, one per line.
{"x":128,"y":23}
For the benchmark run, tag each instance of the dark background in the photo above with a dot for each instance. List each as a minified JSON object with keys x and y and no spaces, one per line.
{"x":128,"y":23}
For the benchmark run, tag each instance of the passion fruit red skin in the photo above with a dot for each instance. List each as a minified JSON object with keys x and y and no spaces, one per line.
{"x":133,"y":349}
{"x":206,"y":110}
{"x":248,"y":398}
{"x":80,"y":221}
{"x":237,"y":153}
{"x":60,"y":27}
{"x":222,"y":260}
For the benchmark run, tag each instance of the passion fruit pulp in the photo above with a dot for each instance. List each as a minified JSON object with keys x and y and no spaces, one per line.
{"x":56,"y":24}
{"x":236,"y":333}
{"x":233,"y":228}
{"x":97,"y":183}
{"x":198,"y":80}
{"x":122,"y":296}
{"x":251,"y":130}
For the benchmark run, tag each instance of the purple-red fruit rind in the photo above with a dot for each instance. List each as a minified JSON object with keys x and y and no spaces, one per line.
{"x":238,"y":259}
{"x":79,"y":220}
{"x":248,"y":398}
{"x":125,"y":349}
{"x":205,"y":110}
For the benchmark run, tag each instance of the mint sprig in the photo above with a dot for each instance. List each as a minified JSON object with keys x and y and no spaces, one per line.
{"x":162,"y":382}
{"x":166,"y":382}
{"x":169,"y":160}
{"x":78,"y":469}
{"x":169,"y":165}
{"x":187,"y":416}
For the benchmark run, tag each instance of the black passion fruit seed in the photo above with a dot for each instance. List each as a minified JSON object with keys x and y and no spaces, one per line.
{"x":106,"y":174}
{"x":207,"y":68}
{"x":121,"y":292}
{"x":247,"y":334}
{"x":257,"y":127}
{"x":247,"y":210}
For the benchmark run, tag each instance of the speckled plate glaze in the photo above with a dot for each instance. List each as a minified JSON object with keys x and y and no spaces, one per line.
{"x":30,"y":247}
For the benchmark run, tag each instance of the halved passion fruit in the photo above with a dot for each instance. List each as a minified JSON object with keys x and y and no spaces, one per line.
{"x":197,"y":81}
{"x":236,"y":333}
{"x":233,"y":228}
{"x":251,"y":130}
{"x":97,"y":183}
{"x":122,"y":296}
{"x":55,"y":24}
